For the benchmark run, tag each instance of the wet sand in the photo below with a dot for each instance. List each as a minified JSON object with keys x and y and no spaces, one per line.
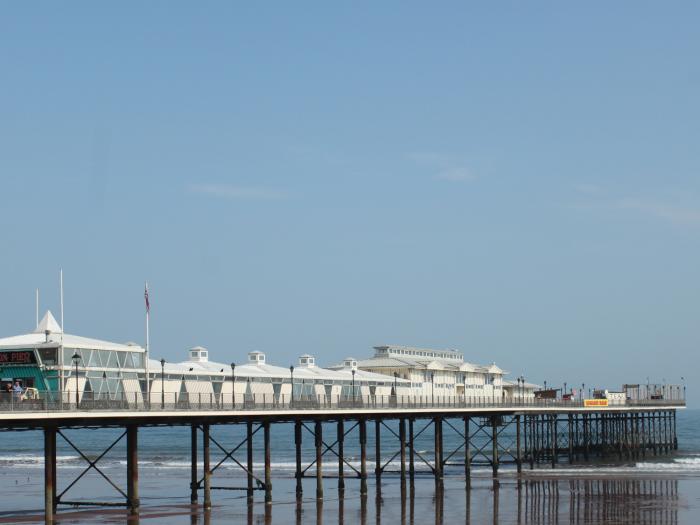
{"x":542,"y":497}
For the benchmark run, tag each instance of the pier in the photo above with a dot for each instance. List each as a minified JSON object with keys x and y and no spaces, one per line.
{"x":524,"y":434}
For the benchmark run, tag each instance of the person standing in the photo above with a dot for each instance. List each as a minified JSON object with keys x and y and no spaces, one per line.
{"x":17,"y":391}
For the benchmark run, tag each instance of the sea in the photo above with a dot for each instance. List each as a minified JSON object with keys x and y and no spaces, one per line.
{"x":656,"y":490}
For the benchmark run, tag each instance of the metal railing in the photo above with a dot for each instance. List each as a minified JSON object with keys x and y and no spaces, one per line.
{"x":171,"y":401}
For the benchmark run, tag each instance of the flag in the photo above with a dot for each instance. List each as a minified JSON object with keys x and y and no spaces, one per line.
{"x":145,"y":296}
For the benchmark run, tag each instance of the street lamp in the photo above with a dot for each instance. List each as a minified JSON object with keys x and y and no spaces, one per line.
{"x":353,"y":386}
{"x":432,"y":388}
{"x":396,"y":392}
{"x":76,"y":358}
{"x":291,"y":373}
{"x":564,"y":389}
{"x":162,"y":384}
{"x":233,"y":385}
{"x":683,"y":379}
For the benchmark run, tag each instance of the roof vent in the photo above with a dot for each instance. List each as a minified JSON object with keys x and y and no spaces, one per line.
{"x":199,"y":354}
{"x":306,"y":360}
{"x":256,"y":357}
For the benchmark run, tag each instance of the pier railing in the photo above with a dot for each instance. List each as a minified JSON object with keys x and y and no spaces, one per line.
{"x":171,"y":401}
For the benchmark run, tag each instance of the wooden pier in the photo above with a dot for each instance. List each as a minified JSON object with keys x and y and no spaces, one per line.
{"x":539,"y":434}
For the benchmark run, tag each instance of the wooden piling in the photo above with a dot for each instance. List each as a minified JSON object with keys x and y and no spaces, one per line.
{"x":132,"y":469}
{"x":402,"y":453}
{"x":207,"y":466}
{"x":437,"y":428}
{"x":194,"y":467}
{"x":341,"y":455}
{"x":362,"y":423}
{"x":249,"y":467}
{"x":518,"y":453}
{"x":318,"y":435}
{"x":268,"y":469}
{"x":377,"y":450}
{"x":467,"y":454}
{"x":571,"y":438}
{"x":411,"y":453}
{"x":49,"y":473}
{"x":494,"y":446}
{"x":297,"y":446}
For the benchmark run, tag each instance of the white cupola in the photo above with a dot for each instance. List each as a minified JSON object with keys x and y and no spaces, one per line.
{"x":350,"y":362}
{"x":306,"y":360}
{"x":199,"y":354}
{"x":257,"y":358}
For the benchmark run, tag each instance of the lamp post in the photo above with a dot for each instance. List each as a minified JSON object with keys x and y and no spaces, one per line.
{"x":233,"y":385}
{"x":583,"y":389}
{"x":564,"y":389}
{"x":291,"y":373}
{"x":353,"y":386}
{"x":683,"y":380}
{"x":432,"y":388}
{"x":162,"y":384}
{"x":76,"y":358}
{"x":396,"y":392}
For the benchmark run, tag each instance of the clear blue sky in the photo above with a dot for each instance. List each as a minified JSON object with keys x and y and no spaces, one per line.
{"x":517,"y":180}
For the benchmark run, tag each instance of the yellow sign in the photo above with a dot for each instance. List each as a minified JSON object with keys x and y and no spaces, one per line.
{"x":595,"y":402}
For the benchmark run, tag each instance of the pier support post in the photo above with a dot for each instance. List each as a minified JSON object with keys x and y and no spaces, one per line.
{"x":49,"y":473}
{"x":268,"y":469}
{"x":411,"y":454}
{"x":437,"y":427}
{"x":249,"y":442}
{"x":402,"y":453}
{"x":467,"y":454}
{"x":553,"y":438}
{"x":377,"y":450}
{"x":571,"y":438}
{"x":675,"y":436}
{"x":132,"y":468}
{"x":318,"y":435}
{"x":533,"y":440}
{"x":194,"y":482}
{"x":363,"y":456}
{"x":206,"y":458}
{"x":297,"y":446}
{"x":518,"y":453}
{"x":341,"y":455}
{"x":494,"y":446}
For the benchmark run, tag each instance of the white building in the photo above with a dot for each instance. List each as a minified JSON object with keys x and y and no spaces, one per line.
{"x":436,"y":372}
{"x":199,"y":379}
{"x":513,"y":390}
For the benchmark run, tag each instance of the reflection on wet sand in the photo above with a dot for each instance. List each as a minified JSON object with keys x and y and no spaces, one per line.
{"x":602,"y":501}
{"x":536,"y":501}
{"x":519,"y":500}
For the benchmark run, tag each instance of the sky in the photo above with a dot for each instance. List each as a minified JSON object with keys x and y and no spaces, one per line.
{"x":519,"y":181}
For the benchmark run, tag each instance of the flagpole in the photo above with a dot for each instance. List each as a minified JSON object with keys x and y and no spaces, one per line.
{"x":148,"y":337}
{"x":61,"y":350}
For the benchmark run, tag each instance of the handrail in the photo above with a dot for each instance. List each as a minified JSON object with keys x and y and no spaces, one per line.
{"x":174,"y":401}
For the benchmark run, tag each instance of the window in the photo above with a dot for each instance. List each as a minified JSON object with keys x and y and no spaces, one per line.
{"x":48,"y":355}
